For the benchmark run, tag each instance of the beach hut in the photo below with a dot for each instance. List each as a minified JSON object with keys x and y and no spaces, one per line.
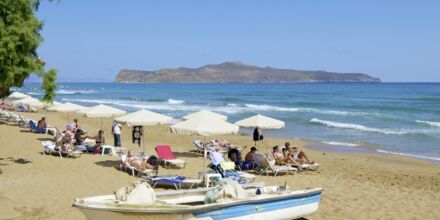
{"x":67,"y":107}
{"x":260,"y":121}
{"x":144,"y":118}
{"x":101,"y":111}
{"x":18,"y":95}
{"x":205,"y":113}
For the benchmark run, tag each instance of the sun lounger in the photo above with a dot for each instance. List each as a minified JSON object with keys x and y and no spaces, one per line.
{"x":199,"y":146}
{"x":166,"y":155}
{"x":50,"y":148}
{"x":177,"y":181}
{"x":124,"y":166}
{"x":311,"y":167}
{"x":263,"y":165}
{"x":33,"y":127}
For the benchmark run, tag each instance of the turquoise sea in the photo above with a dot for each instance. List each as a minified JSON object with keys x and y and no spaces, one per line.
{"x":396,"y":118}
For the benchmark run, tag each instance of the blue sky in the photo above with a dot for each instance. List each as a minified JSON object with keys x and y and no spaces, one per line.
{"x":93,"y":40}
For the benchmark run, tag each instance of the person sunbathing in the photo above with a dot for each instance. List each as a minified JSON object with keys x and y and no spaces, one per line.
{"x":137,"y":162}
{"x":100,"y":140}
{"x":66,"y":143}
{"x":42,"y":123}
{"x":299,"y":156}
{"x":280,"y":158}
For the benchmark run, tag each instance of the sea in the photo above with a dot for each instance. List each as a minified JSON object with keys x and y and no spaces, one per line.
{"x":390,"y":118}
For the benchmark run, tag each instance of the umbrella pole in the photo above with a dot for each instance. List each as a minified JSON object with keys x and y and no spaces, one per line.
{"x":101,"y":123}
{"x":204,"y":156}
{"x":142,"y":139}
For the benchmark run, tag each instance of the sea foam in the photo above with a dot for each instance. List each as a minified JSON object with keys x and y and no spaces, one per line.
{"x":340,"y":143}
{"x":358,"y":127}
{"x":73,"y":92}
{"x":431,"y":123}
{"x":409,"y":155}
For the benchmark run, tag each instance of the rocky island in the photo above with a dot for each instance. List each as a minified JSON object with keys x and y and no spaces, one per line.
{"x":236,"y":72}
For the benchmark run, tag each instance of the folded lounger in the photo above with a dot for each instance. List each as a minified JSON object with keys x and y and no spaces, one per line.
{"x":177,"y":181}
{"x":264,"y":166}
{"x":166,"y":155}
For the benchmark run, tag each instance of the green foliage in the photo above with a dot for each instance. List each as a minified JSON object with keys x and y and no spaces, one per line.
{"x":19,"y":40}
{"x":49,"y":85}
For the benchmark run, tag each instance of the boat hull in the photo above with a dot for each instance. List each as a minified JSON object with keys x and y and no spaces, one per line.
{"x":277,"y":208}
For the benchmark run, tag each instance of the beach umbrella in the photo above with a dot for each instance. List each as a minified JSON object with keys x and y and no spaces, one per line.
{"x":204,"y":125}
{"x":101,"y":111}
{"x":18,"y":95}
{"x":144,"y":118}
{"x":67,"y":107}
{"x":31,"y":101}
{"x":207,"y":114}
{"x":260,"y":121}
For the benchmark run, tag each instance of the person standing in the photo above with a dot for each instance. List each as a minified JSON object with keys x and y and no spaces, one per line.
{"x":116,"y":130}
{"x":258,"y":135}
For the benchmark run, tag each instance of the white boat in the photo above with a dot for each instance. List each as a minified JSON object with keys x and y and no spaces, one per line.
{"x":272,"y":202}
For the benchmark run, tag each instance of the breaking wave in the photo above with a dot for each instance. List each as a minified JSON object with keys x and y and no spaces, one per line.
{"x":73,"y":92}
{"x":175,"y":101}
{"x":313,"y":110}
{"x":333,"y":124}
{"x":431,"y":123}
{"x":340,"y":143}
{"x":409,"y":155}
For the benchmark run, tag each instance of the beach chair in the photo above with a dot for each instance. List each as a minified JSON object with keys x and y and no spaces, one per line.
{"x":167,"y":157}
{"x":177,"y":181}
{"x":33,"y":127}
{"x":134,"y":171}
{"x":24,"y":123}
{"x":309,"y":167}
{"x":227,"y":170}
{"x":199,"y":146}
{"x":264,"y":166}
{"x":50,"y":148}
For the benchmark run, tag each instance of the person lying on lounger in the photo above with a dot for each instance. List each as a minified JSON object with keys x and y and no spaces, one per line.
{"x":280,"y":158}
{"x":138,"y":162}
{"x":66,"y":142}
{"x":80,"y":137}
{"x":42,"y":123}
{"x":298,"y":156}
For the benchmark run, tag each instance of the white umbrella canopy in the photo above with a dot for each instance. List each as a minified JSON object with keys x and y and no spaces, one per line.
{"x":67,"y":107}
{"x":18,"y":95}
{"x":144,"y":118}
{"x":205,"y":126}
{"x":100,"y":111}
{"x":207,"y":114}
{"x":260,"y":121}
{"x":35,"y":102}
{"x":31,"y":101}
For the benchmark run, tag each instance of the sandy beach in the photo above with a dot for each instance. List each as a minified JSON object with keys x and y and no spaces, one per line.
{"x":357,"y":186}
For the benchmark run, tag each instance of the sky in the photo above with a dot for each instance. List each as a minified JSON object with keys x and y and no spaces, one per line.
{"x":397,"y":41}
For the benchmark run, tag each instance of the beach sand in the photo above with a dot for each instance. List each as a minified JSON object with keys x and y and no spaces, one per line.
{"x":357,"y":186}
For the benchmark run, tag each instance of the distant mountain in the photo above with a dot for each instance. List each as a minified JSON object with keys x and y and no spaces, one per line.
{"x":231,"y":72}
